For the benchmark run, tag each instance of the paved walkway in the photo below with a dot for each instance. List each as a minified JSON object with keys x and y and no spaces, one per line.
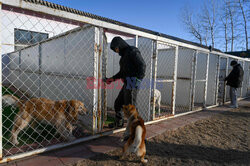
{"x":73,"y":154}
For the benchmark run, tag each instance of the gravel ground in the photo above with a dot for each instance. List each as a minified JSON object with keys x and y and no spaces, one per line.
{"x":223,"y":139}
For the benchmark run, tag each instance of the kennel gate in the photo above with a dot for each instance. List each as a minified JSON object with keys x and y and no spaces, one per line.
{"x":32,"y":68}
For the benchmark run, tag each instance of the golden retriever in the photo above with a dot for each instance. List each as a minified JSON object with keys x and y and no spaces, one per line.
{"x":61,"y":114}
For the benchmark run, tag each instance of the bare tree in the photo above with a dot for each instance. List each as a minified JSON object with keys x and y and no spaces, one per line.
{"x":224,"y":16}
{"x":204,"y":25}
{"x":241,"y":6}
{"x":191,"y":24}
{"x":233,"y":20}
{"x":209,"y":19}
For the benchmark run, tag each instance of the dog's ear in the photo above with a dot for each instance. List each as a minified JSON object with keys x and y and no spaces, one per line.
{"x":131,"y":107}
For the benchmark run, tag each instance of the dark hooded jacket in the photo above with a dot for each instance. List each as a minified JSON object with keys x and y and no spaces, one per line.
{"x":131,"y":62}
{"x":235,"y":78}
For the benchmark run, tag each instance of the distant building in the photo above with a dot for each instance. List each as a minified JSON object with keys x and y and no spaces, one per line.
{"x":243,"y":54}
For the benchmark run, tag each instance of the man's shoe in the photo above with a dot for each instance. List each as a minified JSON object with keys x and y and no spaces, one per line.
{"x":233,"y":106}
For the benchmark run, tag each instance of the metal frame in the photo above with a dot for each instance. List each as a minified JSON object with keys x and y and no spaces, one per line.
{"x":191,"y":81}
{"x":155,"y":55}
{"x":1,"y":122}
{"x":175,"y":79}
{"x":104,"y":74}
{"x":100,"y":53}
{"x":225,"y":87}
{"x":99,"y":23}
{"x":241,"y":89}
{"x":194,"y":78}
{"x":217,"y":80}
{"x":96,"y":76}
{"x":206,"y":82}
{"x":97,"y":70}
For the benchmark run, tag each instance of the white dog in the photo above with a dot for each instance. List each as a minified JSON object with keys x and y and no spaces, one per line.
{"x":157,"y":96}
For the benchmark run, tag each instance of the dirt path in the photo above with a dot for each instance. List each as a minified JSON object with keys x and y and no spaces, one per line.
{"x":223,"y":139}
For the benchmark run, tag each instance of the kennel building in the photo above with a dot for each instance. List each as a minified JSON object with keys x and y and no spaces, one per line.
{"x":59,"y":53}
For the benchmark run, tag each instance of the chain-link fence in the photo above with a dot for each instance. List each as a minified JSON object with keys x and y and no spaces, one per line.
{"x":47,"y":98}
{"x":52,"y":67}
{"x":164,"y":65}
{"x":185,"y":80}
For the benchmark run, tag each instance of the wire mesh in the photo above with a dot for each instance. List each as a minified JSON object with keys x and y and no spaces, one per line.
{"x":111,"y":67}
{"x":245,"y":84}
{"x":222,"y":76}
{"x":248,"y":81}
{"x":48,"y":61}
{"x":212,"y":79}
{"x":200,"y":80}
{"x":229,"y":69}
{"x":164,"y":80}
{"x":146,"y":47}
{"x":239,"y":91}
{"x":184,"y":80}
{"x":46,"y":65}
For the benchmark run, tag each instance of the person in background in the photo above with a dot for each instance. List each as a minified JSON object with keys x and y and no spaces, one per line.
{"x":132,"y":71}
{"x":234,"y":80}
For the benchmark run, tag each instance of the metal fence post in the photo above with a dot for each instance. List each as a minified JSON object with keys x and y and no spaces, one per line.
{"x":175,"y":80}
{"x":206,"y":83}
{"x":225,"y":87}
{"x":217,"y":81}
{"x":104,"y":74}
{"x":248,"y":79}
{"x":194,"y":80}
{"x":154,"y":76}
{"x":136,"y":41}
{"x":1,"y":122}
{"x":40,"y":68}
{"x":99,"y":107}
{"x":241,"y":89}
{"x":96,"y":76}
{"x":191,"y":81}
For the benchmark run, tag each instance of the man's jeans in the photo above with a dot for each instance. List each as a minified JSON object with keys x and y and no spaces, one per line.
{"x":233,"y":96}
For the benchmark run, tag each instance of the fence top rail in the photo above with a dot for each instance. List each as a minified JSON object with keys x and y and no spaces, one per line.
{"x":76,"y":15}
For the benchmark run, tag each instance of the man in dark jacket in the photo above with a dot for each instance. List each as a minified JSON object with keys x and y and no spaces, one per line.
{"x":234,"y":80}
{"x":132,"y":71}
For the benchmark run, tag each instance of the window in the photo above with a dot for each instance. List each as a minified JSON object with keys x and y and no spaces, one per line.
{"x":24,"y":38}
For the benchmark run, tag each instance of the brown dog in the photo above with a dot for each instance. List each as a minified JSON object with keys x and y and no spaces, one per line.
{"x":61,"y":114}
{"x":137,"y":133}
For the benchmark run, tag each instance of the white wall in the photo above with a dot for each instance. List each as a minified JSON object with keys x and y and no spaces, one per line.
{"x":11,"y":20}
{"x":201,"y":70}
{"x":212,"y":77}
{"x":65,"y":63}
{"x":184,"y":71}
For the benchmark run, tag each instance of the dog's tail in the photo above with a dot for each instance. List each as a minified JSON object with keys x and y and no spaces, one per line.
{"x":138,"y":138}
{"x":11,"y":100}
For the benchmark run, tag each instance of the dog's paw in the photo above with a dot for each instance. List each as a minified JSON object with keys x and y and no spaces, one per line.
{"x":14,"y":141}
{"x":144,"y":161}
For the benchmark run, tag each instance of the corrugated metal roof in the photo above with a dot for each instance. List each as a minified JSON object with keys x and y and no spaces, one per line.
{"x":71,"y":10}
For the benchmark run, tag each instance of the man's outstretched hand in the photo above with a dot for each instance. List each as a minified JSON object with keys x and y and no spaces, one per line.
{"x":107,"y":80}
